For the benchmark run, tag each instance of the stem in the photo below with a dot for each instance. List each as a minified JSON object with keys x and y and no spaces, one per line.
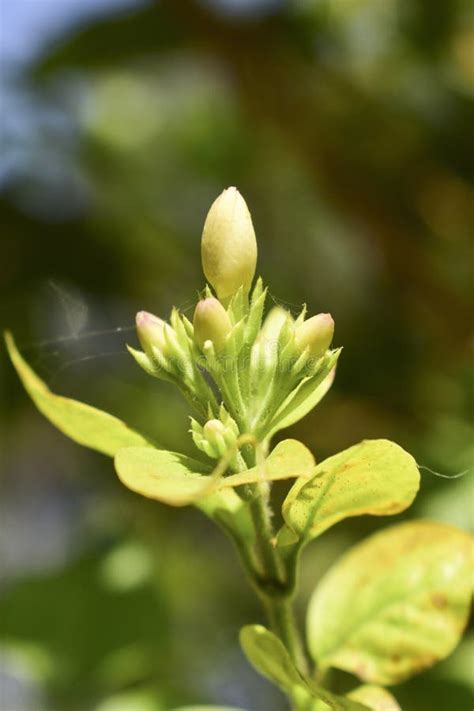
{"x":281,"y":617}
{"x":273,"y":586}
{"x":272,"y":567}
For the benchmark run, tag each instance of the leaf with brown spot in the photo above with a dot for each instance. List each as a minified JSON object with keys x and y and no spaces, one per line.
{"x":395,"y":604}
{"x":374,"y":477}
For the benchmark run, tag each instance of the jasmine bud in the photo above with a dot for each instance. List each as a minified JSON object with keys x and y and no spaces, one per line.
{"x":211,"y":323}
{"x":150,"y":331}
{"x":276,"y":319}
{"x":229,"y":247}
{"x":316,"y":334}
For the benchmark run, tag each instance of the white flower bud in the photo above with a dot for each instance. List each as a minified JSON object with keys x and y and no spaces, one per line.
{"x":211,"y":323}
{"x":315,"y":334}
{"x":229,"y":247}
{"x":272,"y":326}
{"x":151,"y":331}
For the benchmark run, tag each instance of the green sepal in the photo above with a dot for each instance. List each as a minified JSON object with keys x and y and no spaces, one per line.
{"x":148,"y":365}
{"x":254,"y":318}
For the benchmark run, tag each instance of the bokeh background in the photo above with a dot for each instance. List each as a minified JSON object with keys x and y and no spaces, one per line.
{"x":347,"y":125}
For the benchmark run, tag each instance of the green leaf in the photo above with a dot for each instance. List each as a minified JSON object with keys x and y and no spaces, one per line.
{"x":84,"y":424}
{"x":374,"y":477}
{"x":168,"y":477}
{"x":267,"y":654}
{"x":395,"y":604}
{"x":375,"y":697}
{"x":178,"y":481}
{"x":305,"y":397}
{"x":289,"y":459}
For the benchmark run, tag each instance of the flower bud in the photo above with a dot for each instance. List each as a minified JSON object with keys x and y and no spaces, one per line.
{"x":150,"y":331}
{"x":273,"y":324}
{"x":213,"y":429}
{"x":316,"y":334}
{"x":229,"y":247}
{"x":211,"y":323}
{"x":216,"y":438}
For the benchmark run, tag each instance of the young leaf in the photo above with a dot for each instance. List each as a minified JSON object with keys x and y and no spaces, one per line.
{"x":395,"y":604}
{"x":177,"y":480}
{"x":165,"y":476}
{"x":289,"y":459}
{"x":84,"y":424}
{"x":374,"y":477}
{"x":293,"y":412}
{"x":375,"y":697}
{"x":267,"y":654}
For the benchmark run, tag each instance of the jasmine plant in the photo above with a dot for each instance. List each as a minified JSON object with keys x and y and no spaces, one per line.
{"x":394,"y":604}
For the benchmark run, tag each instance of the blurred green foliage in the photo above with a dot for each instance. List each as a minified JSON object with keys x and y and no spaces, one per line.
{"x":347,"y":126}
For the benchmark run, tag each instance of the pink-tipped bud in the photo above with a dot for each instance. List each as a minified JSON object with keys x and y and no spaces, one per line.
{"x":211,"y":323}
{"x":229,"y":247}
{"x":316,"y":334}
{"x":150,"y":331}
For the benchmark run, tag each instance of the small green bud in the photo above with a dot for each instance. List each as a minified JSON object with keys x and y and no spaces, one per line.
{"x":217,"y":437}
{"x":151,"y":332}
{"x":315,"y":334}
{"x":213,"y":429}
{"x":229,"y":247}
{"x":211,"y":323}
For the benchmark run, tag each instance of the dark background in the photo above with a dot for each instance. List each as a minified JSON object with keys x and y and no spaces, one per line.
{"x":347,"y":126}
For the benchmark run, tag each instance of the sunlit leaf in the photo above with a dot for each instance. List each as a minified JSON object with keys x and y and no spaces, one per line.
{"x":84,"y":424}
{"x":165,"y":476}
{"x":267,"y":654}
{"x":178,"y":481}
{"x":374,"y":477}
{"x":305,"y":397}
{"x":289,"y":459}
{"x":375,"y":697}
{"x":395,"y":604}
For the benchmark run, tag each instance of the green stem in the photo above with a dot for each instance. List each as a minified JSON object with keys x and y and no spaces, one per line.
{"x":272,"y":568}
{"x":282,"y":621}
{"x":273,"y":588}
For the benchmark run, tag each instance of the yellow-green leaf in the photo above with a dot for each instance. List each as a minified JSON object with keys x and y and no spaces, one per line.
{"x":168,"y":477}
{"x":84,"y":424}
{"x":375,"y":697}
{"x":177,"y":480}
{"x":267,"y":654}
{"x":395,"y":604}
{"x":307,"y":395}
{"x":288,"y":460}
{"x":373,"y":477}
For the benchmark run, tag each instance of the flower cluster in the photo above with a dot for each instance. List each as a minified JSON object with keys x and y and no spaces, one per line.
{"x":244,"y":374}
